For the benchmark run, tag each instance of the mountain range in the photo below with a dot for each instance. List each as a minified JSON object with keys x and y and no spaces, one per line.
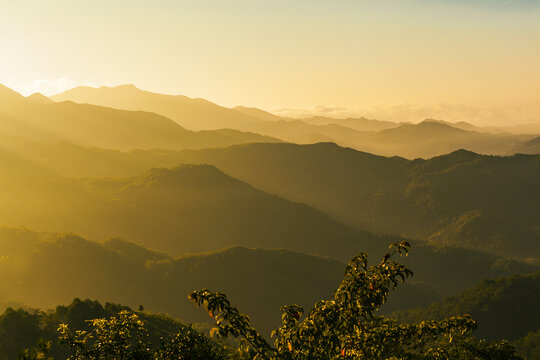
{"x":97,"y":126}
{"x":426,"y":139}
{"x":42,"y":269}
{"x":139,"y":198}
{"x":461,"y":199}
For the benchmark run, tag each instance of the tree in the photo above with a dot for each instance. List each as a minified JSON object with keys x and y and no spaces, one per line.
{"x":343,"y":327}
{"x":125,"y":337}
{"x":346,"y":326}
{"x":189,"y":344}
{"x":13,"y":323}
{"x":120,"y":337}
{"x":38,"y":352}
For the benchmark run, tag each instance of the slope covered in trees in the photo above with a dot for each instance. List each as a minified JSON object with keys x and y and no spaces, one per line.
{"x":529,"y":345}
{"x":22,"y":329}
{"x":179,"y":210}
{"x":348,"y":325}
{"x":198,"y":208}
{"x":244,"y":205}
{"x":463,"y":199}
{"x":505,"y":308}
{"x":44,"y":269}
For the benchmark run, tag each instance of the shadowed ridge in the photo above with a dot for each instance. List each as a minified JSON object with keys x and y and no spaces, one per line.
{"x":462,"y":154}
{"x":187,"y":175}
{"x":284,"y":148}
{"x":459,"y":155}
{"x":246,"y":251}
{"x":506,"y":307}
{"x":444,"y":162}
{"x":417,"y":198}
{"x":134,"y":251}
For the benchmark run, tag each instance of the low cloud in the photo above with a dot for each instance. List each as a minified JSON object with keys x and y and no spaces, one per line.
{"x":497,"y":115}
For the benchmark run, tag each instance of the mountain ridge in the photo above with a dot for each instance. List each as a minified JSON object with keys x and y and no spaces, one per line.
{"x":426,"y":139}
{"x":368,"y":191}
{"x":98,"y":126}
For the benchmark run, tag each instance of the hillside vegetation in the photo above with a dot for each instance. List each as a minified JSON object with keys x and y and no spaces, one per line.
{"x":459,"y":199}
{"x":24,"y":328}
{"x":44,"y":269}
{"x":505,"y":308}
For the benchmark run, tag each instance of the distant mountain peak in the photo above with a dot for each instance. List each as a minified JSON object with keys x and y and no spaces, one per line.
{"x":434,"y":121}
{"x":126,"y":87}
{"x":122,"y":87}
{"x":92,"y":89}
{"x":464,"y":152}
{"x":431,"y":122}
{"x":39,"y":98}
{"x":460,"y":156}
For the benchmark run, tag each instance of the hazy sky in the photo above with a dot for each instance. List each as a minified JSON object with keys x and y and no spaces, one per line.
{"x":280,"y":54}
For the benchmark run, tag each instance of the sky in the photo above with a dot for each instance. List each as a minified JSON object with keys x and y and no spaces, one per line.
{"x":341,"y":56}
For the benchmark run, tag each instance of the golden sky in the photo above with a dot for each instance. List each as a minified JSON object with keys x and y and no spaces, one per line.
{"x":280,"y":54}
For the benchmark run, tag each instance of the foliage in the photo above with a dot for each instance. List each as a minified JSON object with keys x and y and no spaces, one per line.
{"x":36,"y":331}
{"x":473,"y":349}
{"x":125,"y":337}
{"x":346,"y":327}
{"x":505,"y":308}
{"x":19,"y":329}
{"x":529,"y":346}
{"x":121,"y":337}
{"x":189,"y":344}
{"x":38,"y":352}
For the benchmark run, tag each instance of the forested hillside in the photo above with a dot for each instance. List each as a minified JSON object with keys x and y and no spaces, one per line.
{"x":460,"y":199}
{"x":44,"y":269}
{"x":179,"y":210}
{"x":34,"y":330}
{"x":505,"y":308}
{"x":463,"y":198}
{"x":24,"y":328}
